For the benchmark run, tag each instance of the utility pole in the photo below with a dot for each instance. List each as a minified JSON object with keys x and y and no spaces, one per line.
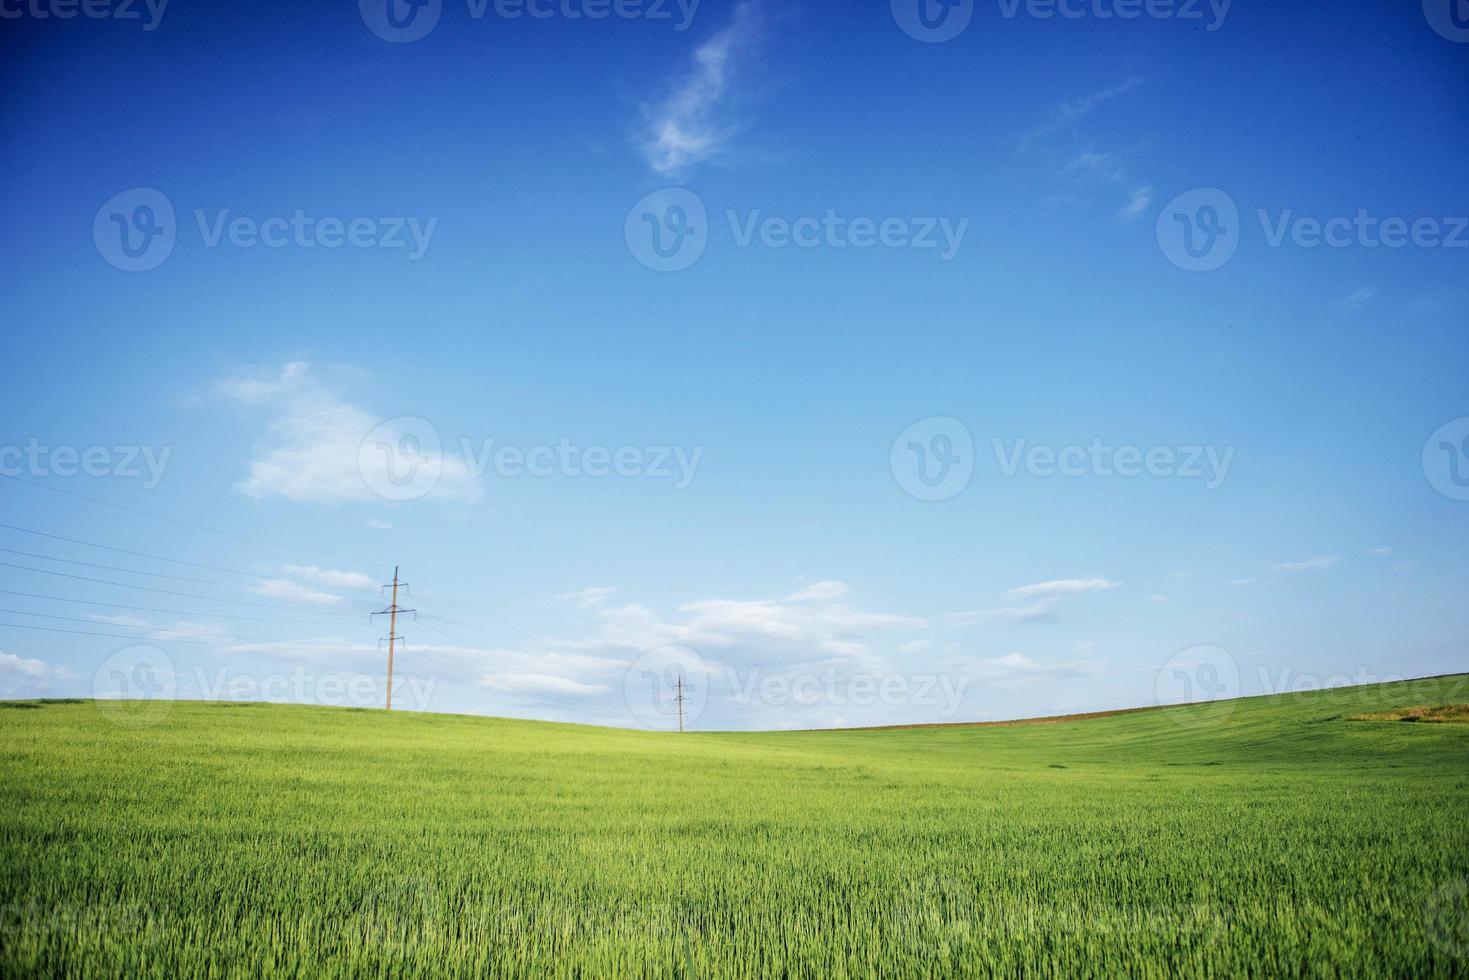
{"x":679,"y":700}
{"x":392,"y":613}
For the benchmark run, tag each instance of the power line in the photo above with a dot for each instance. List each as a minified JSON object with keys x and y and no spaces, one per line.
{"x":156,"y":629}
{"x":144,"y":588}
{"x":135,"y":554}
{"x":181,"y":523}
{"x":175,"y":612}
{"x":114,"y":636}
{"x":115,"y":568}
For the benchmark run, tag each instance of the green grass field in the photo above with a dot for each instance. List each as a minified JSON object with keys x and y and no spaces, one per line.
{"x":1270,"y":837}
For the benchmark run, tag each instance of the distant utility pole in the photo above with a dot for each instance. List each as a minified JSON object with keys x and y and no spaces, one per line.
{"x":392,"y":613}
{"x":679,"y":699}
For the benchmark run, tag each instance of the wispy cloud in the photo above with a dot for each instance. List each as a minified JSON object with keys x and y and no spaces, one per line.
{"x":312,"y":448}
{"x":1137,"y":203}
{"x":1356,"y":299}
{"x":1060,"y":587}
{"x":589,"y":598}
{"x":1030,"y":614}
{"x":695,"y":120}
{"x":280,"y":588}
{"x":331,"y":578}
{"x":828,"y":589}
{"x":1015,"y":669}
{"x":1308,"y":565}
{"x":1066,"y":115}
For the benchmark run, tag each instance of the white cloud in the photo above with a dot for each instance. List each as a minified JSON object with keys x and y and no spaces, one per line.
{"x":1039,"y":612}
{"x":1380,"y":552}
{"x":330,"y":578}
{"x":1243,"y":581}
{"x":1308,"y":565}
{"x":540,"y":684}
{"x":28,"y":677}
{"x":1060,"y":587}
{"x":279,"y":588}
{"x":693,"y":122}
{"x":1068,"y":114}
{"x":1016,"y":669}
{"x":827,"y":589}
{"x":914,"y":646}
{"x":590,"y":597}
{"x":760,"y":631}
{"x":1356,"y":299}
{"x":178,"y":630}
{"x":310,"y":453}
{"x":1099,"y":168}
{"x":378,"y":525}
{"x":1137,"y":203}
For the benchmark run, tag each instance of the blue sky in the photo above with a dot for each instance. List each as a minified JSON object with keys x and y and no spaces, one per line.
{"x":779,"y":405}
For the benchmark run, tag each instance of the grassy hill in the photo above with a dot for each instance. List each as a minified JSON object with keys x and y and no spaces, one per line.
{"x":1274,"y":835}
